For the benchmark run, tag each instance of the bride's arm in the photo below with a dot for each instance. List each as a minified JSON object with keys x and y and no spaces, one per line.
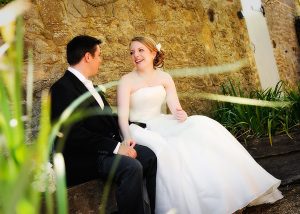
{"x":172,"y":99}
{"x":123,"y":97}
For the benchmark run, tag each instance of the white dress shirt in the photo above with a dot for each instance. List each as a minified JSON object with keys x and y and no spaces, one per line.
{"x":89,"y":85}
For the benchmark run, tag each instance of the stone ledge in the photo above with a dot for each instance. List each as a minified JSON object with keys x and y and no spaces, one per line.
{"x":282,"y":144}
{"x":281,"y":159}
{"x":86,"y":198}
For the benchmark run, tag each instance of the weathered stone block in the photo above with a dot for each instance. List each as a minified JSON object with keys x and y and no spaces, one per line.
{"x":88,"y":198}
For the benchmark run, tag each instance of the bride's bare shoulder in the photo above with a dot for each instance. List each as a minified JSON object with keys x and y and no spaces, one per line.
{"x":164,"y":75}
{"x":128,"y":75}
{"x":127,"y":78}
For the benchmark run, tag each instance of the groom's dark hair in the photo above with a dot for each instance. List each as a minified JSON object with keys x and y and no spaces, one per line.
{"x":79,"y":46}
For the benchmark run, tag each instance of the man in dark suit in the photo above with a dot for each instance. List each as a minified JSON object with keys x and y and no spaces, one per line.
{"x":93,"y":144}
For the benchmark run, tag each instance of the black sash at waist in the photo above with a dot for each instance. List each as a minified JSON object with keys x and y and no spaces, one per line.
{"x":143,"y":125}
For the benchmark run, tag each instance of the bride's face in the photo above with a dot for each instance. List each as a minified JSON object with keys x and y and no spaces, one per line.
{"x":141,"y":56}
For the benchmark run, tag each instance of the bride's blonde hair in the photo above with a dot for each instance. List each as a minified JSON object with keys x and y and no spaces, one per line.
{"x":158,"y":61}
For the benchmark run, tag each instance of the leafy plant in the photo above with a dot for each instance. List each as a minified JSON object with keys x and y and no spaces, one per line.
{"x":21,"y":163}
{"x":248,"y":121}
{"x":294,"y":97}
{"x":23,"y":167}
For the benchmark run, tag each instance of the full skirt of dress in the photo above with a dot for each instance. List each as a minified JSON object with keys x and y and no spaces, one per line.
{"x":202,"y":168}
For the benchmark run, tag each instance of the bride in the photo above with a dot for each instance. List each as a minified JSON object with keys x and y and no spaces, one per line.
{"x":202,"y":168}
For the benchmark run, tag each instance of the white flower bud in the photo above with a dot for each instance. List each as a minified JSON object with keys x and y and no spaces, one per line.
{"x":158,"y":47}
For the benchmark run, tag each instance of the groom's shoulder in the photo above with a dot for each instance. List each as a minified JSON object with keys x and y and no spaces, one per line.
{"x":61,"y":81}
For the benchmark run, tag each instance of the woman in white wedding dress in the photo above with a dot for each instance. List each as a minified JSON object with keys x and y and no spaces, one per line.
{"x":202,"y":168}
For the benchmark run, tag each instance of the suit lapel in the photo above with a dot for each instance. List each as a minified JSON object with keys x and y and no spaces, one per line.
{"x":80,"y":87}
{"x":77,"y":84}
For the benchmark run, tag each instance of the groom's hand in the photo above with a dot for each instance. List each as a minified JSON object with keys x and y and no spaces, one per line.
{"x":127,"y":150}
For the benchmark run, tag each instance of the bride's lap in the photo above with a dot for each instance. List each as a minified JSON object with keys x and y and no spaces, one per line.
{"x":147,"y":138}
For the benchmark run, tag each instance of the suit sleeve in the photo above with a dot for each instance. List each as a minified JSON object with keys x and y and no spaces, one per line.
{"x":81,"y":138}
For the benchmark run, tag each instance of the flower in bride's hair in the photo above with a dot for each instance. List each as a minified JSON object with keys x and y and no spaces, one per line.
{"x":158,"y":47}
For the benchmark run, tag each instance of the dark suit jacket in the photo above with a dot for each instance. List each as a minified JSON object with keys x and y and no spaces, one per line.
{"x":88,"y":138}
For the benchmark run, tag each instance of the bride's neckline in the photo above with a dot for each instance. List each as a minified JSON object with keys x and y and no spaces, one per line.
{"x":146,"y":87}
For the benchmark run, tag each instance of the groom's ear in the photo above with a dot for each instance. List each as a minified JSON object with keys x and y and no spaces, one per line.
{"x":87,"y":57}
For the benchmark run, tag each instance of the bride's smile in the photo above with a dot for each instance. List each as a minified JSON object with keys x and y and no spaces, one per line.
{"x":138,"y":61}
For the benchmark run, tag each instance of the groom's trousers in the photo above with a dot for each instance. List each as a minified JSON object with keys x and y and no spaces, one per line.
{"x":128,"y":174}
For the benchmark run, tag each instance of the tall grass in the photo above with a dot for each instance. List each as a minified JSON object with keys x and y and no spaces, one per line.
{"x":294,"y":97}
{"x":23,"y":166}
{"x":16,"y":159}
{"x":248,"y":121}
{"x":20,"y":163}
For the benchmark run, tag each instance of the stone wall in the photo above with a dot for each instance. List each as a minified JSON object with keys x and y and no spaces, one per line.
{"x":280,"y":16}
{"x":193,"y":33}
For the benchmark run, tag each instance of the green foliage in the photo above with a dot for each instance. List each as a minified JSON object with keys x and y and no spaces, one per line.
{"x":248,"y":121}
{"x":16,"y":158}
{"x":21,"y":164}
{"x":294,"y":96}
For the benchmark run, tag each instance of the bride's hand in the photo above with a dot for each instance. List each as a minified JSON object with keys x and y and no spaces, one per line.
{"x":129,"y":142}
{"x":180,"y":114}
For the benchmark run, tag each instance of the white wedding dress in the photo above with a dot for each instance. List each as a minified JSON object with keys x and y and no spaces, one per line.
{"x":202,"y":168}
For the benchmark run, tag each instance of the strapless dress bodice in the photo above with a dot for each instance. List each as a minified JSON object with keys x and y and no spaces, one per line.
{"x":146,"y":103}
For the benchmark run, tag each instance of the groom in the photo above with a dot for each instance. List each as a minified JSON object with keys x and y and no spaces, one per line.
{"x":92,"y":146}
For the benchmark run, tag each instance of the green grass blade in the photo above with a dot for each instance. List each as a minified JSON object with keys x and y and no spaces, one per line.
{"x":61,"y":189}
{"x":29,"y":93}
